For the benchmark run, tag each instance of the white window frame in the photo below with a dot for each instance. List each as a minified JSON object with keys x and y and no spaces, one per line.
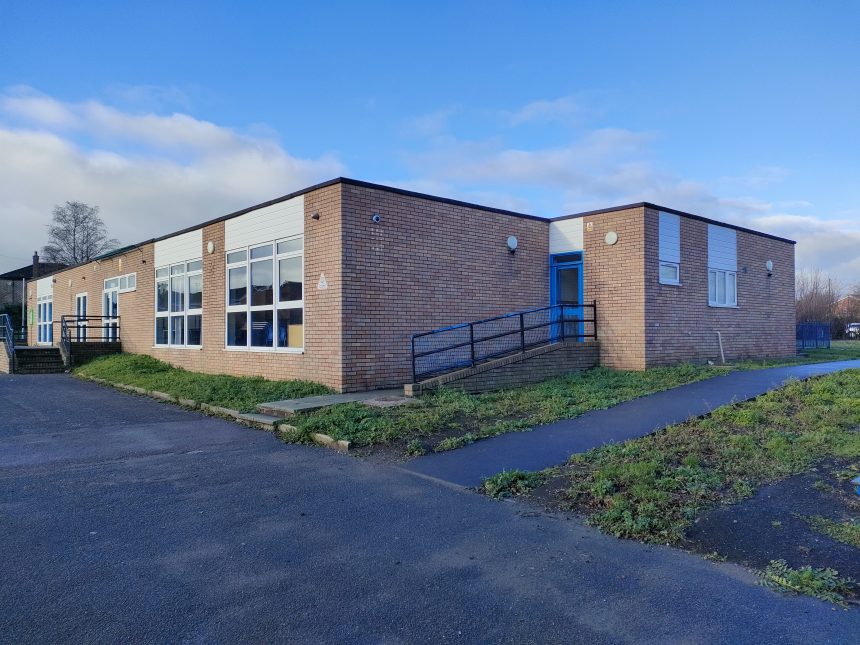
{"x":713,"y":298}
{"x":277,"y":303}
{"x":183,"y":270}
{"x":45,"y":320}
{"x":674,"y":265}
{"x":116,"y":282}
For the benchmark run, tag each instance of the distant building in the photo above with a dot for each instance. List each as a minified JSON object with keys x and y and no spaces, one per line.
{"x":12,"y":282}
{"x":847,"y":307}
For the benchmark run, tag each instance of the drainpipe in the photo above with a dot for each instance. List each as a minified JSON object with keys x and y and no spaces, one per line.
{"x":722,"y":354}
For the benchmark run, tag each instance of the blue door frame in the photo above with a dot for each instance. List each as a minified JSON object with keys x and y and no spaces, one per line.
{"x":561,"y":261}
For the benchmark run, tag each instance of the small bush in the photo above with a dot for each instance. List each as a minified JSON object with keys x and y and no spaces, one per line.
{"x":511,"y":482}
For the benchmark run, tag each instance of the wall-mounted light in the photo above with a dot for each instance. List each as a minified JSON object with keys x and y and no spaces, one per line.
{"x":513,"y":243}
{"x":769,"y":266}
{"x":210,"y":247}
{"x":611,"y":238}
{"x":315,"y":216}
{"x":377,"y":218}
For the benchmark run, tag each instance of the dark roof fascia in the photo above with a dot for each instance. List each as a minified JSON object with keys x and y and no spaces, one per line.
{"x":675,"y":212}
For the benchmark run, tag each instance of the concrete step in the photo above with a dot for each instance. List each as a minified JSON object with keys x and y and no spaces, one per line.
{"x":378,"y":398}
{"x":38,"y":360}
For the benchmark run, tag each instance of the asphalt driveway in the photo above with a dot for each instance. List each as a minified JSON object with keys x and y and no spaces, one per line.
{"x":124,"y":519}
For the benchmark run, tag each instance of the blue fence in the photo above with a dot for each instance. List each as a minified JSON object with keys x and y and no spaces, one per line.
{"x":812,"y":335}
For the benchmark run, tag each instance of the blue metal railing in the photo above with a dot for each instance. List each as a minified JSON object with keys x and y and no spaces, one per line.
{"x":8,"y":333}
{"x":469,"y":344}
{"x":812,"y":335}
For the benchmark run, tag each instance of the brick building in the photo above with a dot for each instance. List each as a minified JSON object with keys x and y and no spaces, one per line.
{"x":329,"y":284}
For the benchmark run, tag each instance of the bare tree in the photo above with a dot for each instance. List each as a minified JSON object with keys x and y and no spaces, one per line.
{"x":76,"y":234}
{"x":816,"y":293}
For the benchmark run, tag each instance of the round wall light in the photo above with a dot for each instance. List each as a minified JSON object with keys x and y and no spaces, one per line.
{"x":210,"y":247}
{"x":611,"y":238}
{"x":512,"y":243}
{"x":769,"y":266}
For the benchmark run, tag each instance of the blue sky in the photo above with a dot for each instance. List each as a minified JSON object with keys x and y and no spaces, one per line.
{"x":168,"y":113}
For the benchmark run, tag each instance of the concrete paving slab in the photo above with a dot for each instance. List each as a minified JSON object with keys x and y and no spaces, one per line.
{"x":378,"y":398}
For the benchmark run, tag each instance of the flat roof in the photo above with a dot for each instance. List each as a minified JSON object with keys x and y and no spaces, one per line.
{"x":674,"y":211}
{"x":411,"y":193}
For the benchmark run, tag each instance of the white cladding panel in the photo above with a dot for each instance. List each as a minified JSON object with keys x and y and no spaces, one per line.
{"x":44,"y":287}
{"x":266,"y":224}
{"x":565,"y":235}
{"x":179,"y":248}
{"x":670,"y":237}
{"x":722,"y":248}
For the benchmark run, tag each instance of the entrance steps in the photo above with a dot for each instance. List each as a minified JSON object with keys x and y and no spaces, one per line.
{"x":38,"y":360}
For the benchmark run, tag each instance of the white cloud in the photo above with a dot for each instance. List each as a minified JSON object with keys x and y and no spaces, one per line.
{"x":614,"y":166}
{"x":184,"y":170}
{"x":566,"y":110}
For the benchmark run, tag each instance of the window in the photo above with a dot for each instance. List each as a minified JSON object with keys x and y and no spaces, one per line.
{"x":670,"y":248}
{"x":722,"y":288}
{"x":722,"y":266}
{"x":265,"y":296}
{"x":45,"y":320}
{"x":124,"y":283}
{"x":179,"y":304}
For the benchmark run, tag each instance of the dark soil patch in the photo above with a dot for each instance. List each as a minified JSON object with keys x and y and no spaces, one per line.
{"x":771,"y":525}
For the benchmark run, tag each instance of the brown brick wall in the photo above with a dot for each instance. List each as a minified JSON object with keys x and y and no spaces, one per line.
{"x":426,"y":265}
{"x":541,"y":365}
{"x":613,"y":275}
{"x":680,"y":326}
{"x":4,"y":362}
{"x":321,"y":358}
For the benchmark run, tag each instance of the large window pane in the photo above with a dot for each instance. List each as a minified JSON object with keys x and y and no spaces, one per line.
{"x":731,"y":289}
{"x":161,"y":331}
{"x":177,"y":330}
{"x":161,"y":296}
{"x":238,"y":286}
{"x":237,"y":329}
{"x":197,"y":265}
{"x":195,"y":292}
{"x":712,"y":286}
{"x":261,"y":328}
{"x":290,"y":328}
{"x":261,"y":283}
{"x":177,"y":293}
{"x":721,"y":288}
{"x":195,"y":330}
{"x":290,"y":276}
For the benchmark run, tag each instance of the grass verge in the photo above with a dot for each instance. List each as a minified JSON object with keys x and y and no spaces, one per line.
{"x":651,"y":488}
{"x":819,"y":583}
{"x":840,"y":350}
{"x":241,"y":393}
{"x":448,"y":419}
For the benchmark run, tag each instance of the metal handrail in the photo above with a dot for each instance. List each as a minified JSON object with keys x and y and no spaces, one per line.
{"x":8,"y":335}
{"x":559,"y":321}
{"x":78,"y":322}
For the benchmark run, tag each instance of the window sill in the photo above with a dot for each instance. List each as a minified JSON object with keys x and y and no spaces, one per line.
{"x":723,"y":306}
{"x":670,"y":284}
{"x":267,"y":350}
{"x":197,"y":347}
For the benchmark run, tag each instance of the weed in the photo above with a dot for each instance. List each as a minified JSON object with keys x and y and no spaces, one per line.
{"x":847,"y":532}
{"x":819,"y":583}
{"x":415,"y":448}
{"x":511,"y":482}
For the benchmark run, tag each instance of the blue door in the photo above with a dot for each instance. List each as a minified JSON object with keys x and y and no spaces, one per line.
{"x":566,"y":290}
